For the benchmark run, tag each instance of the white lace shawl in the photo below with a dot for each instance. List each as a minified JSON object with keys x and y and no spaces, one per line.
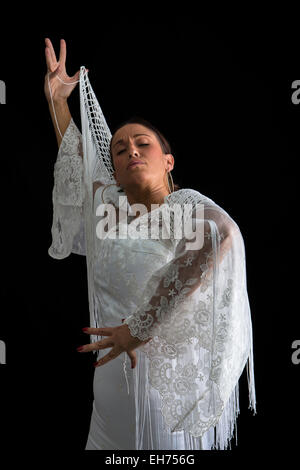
{"x":195,"y":308}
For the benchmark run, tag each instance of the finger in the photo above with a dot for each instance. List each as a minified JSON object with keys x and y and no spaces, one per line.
{"x":98,"y":331}
{"x":48,"y":59}
{"x":133,"y":358}
{"x":103,"y":344}
{"x":51,"y":65}
{"x":62,"y":52}
{"x":52,"y":52}
{"x":111,"y":355}
{"x":55,"y":71}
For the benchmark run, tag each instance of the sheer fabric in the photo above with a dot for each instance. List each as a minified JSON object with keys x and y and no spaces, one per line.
{"x":68,"y":196}
{"x":196,"y":310}
{"x":194,"y":303}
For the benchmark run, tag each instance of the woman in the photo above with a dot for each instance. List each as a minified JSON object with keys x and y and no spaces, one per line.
{"x":187,"y":328}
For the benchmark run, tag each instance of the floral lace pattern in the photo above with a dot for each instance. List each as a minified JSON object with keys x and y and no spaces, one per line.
{"x":68,"y":170}
{"x":68,"y":196}
{"x":194,"y":306}
{"x":189,"y":270}
{"x":191,"y":327}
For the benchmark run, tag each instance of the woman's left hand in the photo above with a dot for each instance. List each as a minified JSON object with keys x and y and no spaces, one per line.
{"x":119,"y":338}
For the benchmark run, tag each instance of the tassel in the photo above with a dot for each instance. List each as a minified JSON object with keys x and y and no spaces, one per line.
{"x":251,"y":380}
{"x":227,"y":424}
{"x":125,"y":372}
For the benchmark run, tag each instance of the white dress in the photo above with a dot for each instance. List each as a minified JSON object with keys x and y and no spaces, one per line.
{"x":123,"y":268}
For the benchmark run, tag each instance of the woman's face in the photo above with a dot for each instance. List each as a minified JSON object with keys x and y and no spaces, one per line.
{"x":135,"y":143}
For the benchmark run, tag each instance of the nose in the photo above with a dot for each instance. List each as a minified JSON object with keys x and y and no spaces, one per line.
{"x":133,"y":152}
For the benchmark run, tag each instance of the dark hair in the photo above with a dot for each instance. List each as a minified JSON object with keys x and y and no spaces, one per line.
{"x":166,"y":147}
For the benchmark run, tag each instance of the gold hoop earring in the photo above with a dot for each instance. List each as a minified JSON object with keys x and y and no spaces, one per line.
{"x":170,"y":178}
{"x":112,"y":184}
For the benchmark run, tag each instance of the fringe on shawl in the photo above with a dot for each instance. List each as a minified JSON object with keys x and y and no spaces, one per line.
{"x":227,"y":425}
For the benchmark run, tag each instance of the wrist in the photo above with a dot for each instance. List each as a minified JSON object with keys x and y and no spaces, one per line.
{"x":137,"y":329}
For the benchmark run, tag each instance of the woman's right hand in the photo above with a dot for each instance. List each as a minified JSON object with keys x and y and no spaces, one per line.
{"x":60,"y":91}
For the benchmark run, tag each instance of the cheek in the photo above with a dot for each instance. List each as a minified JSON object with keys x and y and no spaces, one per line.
{"x":119,"y":164}
{"x":154,"y":159}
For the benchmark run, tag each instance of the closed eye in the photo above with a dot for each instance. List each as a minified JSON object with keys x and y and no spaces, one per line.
{"x":123,"y":150}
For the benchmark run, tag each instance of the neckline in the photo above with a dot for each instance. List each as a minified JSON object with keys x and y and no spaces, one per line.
{"x":166,"y":200}
{"x":115,"y":194}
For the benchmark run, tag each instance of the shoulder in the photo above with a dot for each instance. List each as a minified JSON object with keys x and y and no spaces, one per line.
{"x":212,"y":209}
{"x":188,"y":196}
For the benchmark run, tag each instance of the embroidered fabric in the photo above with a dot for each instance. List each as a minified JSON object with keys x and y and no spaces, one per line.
{"x":195,"y":307}
{"x":67,"y":197}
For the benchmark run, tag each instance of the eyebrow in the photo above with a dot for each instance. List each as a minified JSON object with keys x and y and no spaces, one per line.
{"x":135,"y":135}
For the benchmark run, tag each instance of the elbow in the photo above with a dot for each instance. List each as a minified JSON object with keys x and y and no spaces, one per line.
{"x":227,"y":238}
{"x":230,"y":231}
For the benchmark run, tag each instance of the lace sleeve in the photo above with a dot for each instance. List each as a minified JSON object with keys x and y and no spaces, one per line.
{"x":190,"y":269}
{"x":68,"y":196}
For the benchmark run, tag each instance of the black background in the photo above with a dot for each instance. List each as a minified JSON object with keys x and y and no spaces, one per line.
{"x":221,"y":93}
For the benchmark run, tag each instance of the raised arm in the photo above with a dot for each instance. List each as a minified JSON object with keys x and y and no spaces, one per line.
{"x":56,"y":91}
{"x":68,"y":234}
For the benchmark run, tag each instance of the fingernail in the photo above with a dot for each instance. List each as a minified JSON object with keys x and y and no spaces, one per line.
{"x":84,"y":329}
{"x":95,"y":364}
{"x":80,"y":348}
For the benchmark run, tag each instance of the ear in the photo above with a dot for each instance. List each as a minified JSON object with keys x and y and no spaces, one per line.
{"x":169,"y":162}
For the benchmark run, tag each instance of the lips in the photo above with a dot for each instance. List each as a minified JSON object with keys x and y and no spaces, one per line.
{"x":137,"y":162}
